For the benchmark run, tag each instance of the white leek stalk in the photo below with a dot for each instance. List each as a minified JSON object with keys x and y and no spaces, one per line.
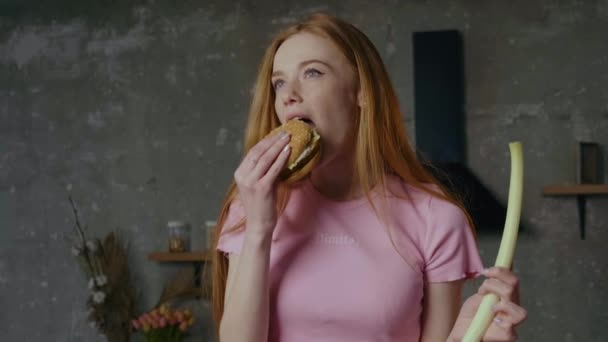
{"x":483,"y":317}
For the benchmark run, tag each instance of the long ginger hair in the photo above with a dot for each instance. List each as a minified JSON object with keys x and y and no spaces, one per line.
{"x":382,"y":145}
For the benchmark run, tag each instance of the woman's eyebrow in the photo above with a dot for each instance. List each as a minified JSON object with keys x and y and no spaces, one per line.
{"x":302,"y":64}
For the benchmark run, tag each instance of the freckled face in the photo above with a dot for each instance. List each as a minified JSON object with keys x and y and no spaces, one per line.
{"x":312,"y":79}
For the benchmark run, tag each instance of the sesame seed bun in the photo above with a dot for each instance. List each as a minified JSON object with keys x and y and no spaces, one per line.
{"x":305,"y":145}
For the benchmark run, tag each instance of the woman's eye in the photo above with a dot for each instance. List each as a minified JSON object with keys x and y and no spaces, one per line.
{"x":312,"y":72}
{"x":277,"y":84}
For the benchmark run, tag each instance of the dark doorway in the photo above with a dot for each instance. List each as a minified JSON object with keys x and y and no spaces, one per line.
{"x":439,"y":94}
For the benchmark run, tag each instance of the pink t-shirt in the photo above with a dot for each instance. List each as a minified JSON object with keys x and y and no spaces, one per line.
{"x":335,"y":275}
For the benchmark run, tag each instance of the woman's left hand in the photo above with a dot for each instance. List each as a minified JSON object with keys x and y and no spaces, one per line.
{"x":508,"y":314}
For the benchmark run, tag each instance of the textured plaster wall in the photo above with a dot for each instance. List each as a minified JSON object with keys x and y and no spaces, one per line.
{"x":136,"y":109}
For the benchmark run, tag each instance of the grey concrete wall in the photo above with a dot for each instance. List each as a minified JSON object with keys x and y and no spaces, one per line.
{"x":136,"y":109}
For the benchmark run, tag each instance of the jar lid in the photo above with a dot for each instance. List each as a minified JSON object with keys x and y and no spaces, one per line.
{"x":175,"y":224}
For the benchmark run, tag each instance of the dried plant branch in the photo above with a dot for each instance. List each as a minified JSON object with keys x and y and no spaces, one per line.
{"x":181,"y":286}
{"x":112,"y":299}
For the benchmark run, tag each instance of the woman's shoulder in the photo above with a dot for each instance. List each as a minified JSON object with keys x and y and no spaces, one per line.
{"x":427,"y":196}
{"x":399,"y":188}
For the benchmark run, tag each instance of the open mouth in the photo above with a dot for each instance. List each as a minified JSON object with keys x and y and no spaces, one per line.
{"x":308,"y":121}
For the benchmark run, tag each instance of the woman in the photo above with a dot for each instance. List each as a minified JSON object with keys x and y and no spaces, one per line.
{"x":370,"y":247}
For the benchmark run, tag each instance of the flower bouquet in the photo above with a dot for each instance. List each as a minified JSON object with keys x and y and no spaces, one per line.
{"x":111,"y":299}
{"x":164,"y":324}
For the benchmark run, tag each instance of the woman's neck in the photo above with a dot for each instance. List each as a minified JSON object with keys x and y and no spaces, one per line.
{"x":336,"y":180}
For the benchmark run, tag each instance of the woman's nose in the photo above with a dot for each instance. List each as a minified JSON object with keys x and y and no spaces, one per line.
{"x":290,"y":93}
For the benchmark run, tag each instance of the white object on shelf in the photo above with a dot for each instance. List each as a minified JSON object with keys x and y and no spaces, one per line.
{"x":208,"y":232}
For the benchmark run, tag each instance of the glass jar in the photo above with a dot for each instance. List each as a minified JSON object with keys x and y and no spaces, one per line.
{"x":179,"y":236}
{"x":209,"y":234}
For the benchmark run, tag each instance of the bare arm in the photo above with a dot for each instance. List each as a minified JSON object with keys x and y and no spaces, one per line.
{"x":246,"y":306}
{"x":440,"y":309}
{"x":246,"y":303}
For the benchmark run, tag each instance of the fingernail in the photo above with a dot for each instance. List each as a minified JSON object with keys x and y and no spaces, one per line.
{"x":284,"y":135}
{"x":286,"y":148}
{"x":485,"y":271}
{"x":497,"y":320}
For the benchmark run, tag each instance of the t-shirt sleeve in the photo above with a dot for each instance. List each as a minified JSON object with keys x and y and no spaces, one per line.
{"x":450,"y":250}
{"x":231,"y":239}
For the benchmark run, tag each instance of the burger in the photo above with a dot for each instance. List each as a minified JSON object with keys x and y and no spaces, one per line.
{"x":305,"y":146}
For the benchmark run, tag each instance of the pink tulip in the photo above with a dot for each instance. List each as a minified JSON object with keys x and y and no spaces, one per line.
{"x":146,"y":317}
{"x":136,"y":324}
{"x":163,"y":322}
{"x":183,"y":326}
{"x":180,"y":316}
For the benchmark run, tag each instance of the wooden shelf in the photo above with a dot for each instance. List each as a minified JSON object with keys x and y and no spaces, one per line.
{"x":575,"y":189}
{"x":198,"y":256}
{"x":581,"y":191}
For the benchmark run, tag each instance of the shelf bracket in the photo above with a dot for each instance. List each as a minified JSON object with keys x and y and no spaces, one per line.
{"x":581,"y":203}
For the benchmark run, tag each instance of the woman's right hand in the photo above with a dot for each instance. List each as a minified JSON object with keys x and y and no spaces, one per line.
{"x":256,"y":180}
